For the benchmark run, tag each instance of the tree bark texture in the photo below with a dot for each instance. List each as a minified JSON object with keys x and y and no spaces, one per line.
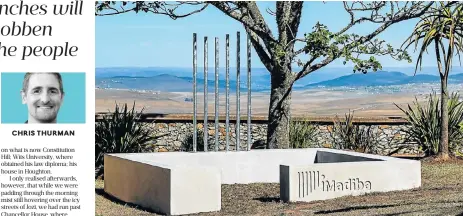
{"x":444,"y":132}
{"x":279,"y":115}
{"x":443,"y":151}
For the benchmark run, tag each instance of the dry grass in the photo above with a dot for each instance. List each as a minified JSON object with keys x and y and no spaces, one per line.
{"x":441,"y":194}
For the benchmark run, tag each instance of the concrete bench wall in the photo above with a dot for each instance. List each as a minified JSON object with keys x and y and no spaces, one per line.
{"x":173,"y":190}
{"x":182,"y":182}
{"x":336,"y":174}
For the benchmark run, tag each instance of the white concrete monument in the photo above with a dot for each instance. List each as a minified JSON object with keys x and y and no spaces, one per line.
{"x":178,"y":183}
{"x":168,"y":189}
{"x":336,"y":173}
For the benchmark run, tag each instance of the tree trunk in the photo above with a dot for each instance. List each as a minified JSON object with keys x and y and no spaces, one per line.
{"x":443,"y":151}
{"x":279,"y":108}
{"x":444,"y":132}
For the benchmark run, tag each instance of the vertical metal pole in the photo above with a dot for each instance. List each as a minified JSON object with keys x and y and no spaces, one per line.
{"x":205,"y":95}
{"x":237,"y":126}
{"x":195,"y":64}
{"x":249,"y":91}
{"x":216,"y":94}
{"x":227,"y":91}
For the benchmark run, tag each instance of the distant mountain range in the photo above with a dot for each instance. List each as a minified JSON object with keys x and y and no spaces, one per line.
{"x":383,"y":78}
{"x":180,"y":80}
{"x":162,"y":82}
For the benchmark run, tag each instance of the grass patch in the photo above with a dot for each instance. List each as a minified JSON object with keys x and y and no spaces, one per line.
{"x":441,"y":194}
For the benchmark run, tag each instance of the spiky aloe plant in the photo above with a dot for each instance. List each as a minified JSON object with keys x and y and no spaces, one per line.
{"x":455,"y":107}
{"x":425,"y":122}
{"x":302,"y":134}
{"x":120,"y":132}
{"x":347,"y":135}
{"x":443,"y":29}
{"x":187,"y":143}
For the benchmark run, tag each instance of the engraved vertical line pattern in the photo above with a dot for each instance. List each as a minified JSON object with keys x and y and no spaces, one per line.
{"x":307,"y":183}
{"x":310,"y":173}
{"x":303,"y":184}
{"x":299,"y":177}
{"x":314,"y":184}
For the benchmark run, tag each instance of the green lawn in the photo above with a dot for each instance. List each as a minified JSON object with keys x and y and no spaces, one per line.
{"x":441,"y":194}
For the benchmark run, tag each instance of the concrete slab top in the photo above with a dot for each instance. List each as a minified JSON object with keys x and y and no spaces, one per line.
{"x":255,"y":157}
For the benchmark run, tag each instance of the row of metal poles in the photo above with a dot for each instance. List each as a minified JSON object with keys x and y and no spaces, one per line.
{"x":227,"y":92}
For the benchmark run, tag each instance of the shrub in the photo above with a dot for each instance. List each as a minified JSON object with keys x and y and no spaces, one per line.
{"x":302,"y":134}
{"x":187,"y":143}
{"x":347,"y":135}
{"x":259,"y":144}
{"x":120,"y":132}
{"x":425,"y":123}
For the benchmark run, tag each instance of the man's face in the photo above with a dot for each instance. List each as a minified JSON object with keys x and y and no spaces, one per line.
{"x":43,"y":97}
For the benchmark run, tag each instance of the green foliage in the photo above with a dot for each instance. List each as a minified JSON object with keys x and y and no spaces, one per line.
{"x":322,"y":42}
{"x":259,"y":144}
{"x":425,"y":123}
{"x":187,"y":143}
{"x":120,"y":132}
{"x":441,"y":23}
{"x":302,"y":134}
{"x":347,"y":135}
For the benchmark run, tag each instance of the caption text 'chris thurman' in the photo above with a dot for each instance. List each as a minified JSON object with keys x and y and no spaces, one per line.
{"x":43,"y":133}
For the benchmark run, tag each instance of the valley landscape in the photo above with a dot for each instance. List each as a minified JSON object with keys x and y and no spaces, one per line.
{"x":169,"y":91}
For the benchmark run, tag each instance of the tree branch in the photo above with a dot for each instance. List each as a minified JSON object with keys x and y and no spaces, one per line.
{"x":245,"y":16}
{"x":263,"y":55}
{"x":413,"y":12}
{"x":162,"y":8}
{"x":288,"y":16}
{"x":315,"y":67}
{"x":304,"y":68}
{"x":375,"y":15}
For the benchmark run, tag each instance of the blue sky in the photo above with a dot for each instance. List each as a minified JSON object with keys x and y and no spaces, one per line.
{"x":148,"y":40}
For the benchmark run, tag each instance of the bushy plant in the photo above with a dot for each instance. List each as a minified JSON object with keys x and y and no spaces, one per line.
{"x":425,"y":123}
{"x":347,"y":135}
{"x":259,"y":144}
{"x":120,"y":132}
{"x":187,"y":143}
{"x":302,"y":134}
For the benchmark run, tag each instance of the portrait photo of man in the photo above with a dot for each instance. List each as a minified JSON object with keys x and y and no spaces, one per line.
{"x":43,"y":94}
{"x":38,"y":97}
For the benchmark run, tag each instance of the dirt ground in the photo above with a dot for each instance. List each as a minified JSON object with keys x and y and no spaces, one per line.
{"x":303,"y":103}
{"x":441,"y":194}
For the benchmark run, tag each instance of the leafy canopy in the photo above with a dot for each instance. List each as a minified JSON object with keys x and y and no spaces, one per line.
{"x":324,"y":43}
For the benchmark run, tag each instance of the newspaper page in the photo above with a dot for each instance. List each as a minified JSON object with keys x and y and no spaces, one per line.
{"x":130,"y":108}
{"x":47,"y":124}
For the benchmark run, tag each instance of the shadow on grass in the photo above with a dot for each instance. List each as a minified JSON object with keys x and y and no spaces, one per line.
{"x":115,"y":200}
{"x":268,"y":199}
{"x":386,"y":206}
{"x":422,"y":211}
{"x":406,"y":212}
{"x":355,"y":208}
